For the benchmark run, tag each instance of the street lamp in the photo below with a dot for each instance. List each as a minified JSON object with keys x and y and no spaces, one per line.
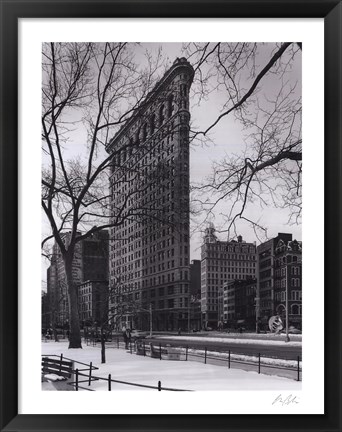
{"x":149,"y":310}
{"x":257,"y":298}
{"x":150,"y":320}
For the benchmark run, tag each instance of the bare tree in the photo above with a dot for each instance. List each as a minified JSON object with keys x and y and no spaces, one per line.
{"x":88,"y":90}
{"x":105,"y":318}
{"x":262,"y":91}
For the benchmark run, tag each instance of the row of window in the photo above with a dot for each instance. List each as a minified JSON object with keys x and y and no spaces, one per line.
{"x":293,"y":296}
{"x":295,"y":309}
{"x":246,"y":254}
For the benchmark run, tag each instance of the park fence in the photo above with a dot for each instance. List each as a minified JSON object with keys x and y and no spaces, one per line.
{"x":164,"y":351}
{"x":82,"y":378}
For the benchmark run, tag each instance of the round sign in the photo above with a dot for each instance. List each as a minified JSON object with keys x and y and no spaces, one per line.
{"x":275,"y":324}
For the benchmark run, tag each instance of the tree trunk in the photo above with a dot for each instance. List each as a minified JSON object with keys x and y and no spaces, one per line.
{"x":74,"y":322}
{"x":103,"y":347}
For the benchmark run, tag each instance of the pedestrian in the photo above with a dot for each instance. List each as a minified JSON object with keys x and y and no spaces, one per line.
{"x":179,"y":331}
{"x":127,"y":337}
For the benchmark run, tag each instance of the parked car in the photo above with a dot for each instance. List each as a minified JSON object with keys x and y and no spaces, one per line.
{"x":138,"y":334}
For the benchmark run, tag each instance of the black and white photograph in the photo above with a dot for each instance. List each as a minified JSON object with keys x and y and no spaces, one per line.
{"x":171,"y":234}
{"x":170,"y":207}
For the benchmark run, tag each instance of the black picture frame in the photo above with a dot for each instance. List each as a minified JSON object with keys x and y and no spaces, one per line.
{"x":11,"y":11}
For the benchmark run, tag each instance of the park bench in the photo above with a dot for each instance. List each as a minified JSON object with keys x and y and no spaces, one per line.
{"x":58,"y":371}
{"x":166,"y":353}
{"x":140,"y":348}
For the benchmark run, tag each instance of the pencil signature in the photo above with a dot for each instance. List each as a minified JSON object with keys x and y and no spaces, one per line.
{"x":288,"y":400}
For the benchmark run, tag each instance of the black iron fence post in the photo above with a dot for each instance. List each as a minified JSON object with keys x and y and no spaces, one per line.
{"x":205,"y":355}
{"x":60,"y":365}
{"x":90,"y":370}
{"x":130,"y":347}
{"x":109,"y":382}
{"x":259,"y":364}
{"x":76,"y":382}
{"x":186,"y":353}
{"x":144,"y":349}
{"x":298,"y":370}
{"x":160,"y":357}
{"x":159,"y":386}
{"x":118,"y":343}
{"x":229,"y":359}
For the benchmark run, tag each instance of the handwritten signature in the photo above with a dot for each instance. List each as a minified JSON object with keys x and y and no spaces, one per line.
{"x":288,"y":400}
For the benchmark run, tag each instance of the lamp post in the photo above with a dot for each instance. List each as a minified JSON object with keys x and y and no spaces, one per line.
{"x":150,"y":319}
{"x":149,"y":310}
{"x":189,"y":311}
{"x":257,"y":298}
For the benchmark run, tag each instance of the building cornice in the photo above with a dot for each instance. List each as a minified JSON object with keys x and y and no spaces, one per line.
{"x":175,"y":69}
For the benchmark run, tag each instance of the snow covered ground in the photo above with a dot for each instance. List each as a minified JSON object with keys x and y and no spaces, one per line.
{"x":183,"y":375}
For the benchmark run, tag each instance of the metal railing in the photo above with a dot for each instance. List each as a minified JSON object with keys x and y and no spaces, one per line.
{"x":90,"y":378}
{"x":261,"y":362}
{"x":110,"y":380}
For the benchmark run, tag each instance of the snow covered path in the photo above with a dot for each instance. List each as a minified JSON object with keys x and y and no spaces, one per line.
{"x":174,"y":374}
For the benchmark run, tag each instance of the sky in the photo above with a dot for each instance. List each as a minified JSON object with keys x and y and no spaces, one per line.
{"x":226,"y":138}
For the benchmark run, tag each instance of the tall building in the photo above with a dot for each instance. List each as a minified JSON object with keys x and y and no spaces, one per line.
{"x":149,"y":249}
{"x":288,"y":281}
{"x":228,"y":303}
{"x":245,"y":292}
{"x":222,"y":261}
{"x":90,"y":263}
{"x":265,"y":291}
{"x":93,"y":302}
{"x":57,"y":285}
{"x":195,"y":295}
{"x":45,"y":311}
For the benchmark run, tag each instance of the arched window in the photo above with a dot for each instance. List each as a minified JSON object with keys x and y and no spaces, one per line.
{"x":131,"y":144}
{"x":144,"y":132}
{"x":137,"y":137}
{"x":161,"y":115}
{"x":280,"y":309}
{"x":170,"y":105}
{"x":152,"y":123}
{"x":295,"y":309}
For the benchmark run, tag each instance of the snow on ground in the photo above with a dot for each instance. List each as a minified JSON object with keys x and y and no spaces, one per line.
{"x":53,"y":377}
{"x":229,"y":340}
{"x":183,"y":375}
{"x":247,"y":358}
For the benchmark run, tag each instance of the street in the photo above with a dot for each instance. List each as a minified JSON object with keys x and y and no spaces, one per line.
{"x":281,"y":351}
